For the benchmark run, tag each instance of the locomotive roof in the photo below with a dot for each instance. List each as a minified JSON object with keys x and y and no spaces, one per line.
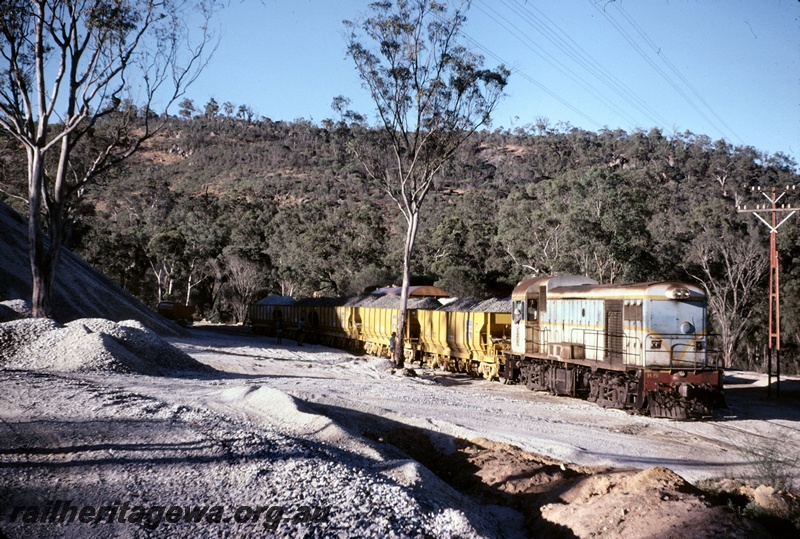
{"x":650,"y":290}
{"x":581,"y":287}
{"x":531,"y":286}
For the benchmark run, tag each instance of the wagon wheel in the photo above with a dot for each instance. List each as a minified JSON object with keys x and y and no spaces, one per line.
{"x":474,"y":368}
{"x":439,"y":362}
{"x":450,"y":364}
{"x":491,"y":371}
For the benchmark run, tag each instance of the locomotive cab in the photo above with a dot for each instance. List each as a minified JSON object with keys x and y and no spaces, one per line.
{"x":530,"y":334}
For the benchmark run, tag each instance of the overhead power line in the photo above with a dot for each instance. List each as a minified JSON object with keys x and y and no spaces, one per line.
{"x":574,"y":52}
{"x":512,"y":29}
{"x":725,"y":130}
{"x":525,"y":13}
{"x":530,"y":79}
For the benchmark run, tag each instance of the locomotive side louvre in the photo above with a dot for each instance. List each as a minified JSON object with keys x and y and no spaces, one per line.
{"x":614,"y":332}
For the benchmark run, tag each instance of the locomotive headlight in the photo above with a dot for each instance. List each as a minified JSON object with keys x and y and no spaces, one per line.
{"x":699,"y":346}
{"x":687,"y":328}
{"x":679,"y":293}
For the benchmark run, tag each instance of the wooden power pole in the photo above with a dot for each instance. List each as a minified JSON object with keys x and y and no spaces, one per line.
{"x":774,"y":275}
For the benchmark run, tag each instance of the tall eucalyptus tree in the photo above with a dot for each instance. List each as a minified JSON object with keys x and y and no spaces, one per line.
{"x":69,"y":73}
{"x":431,"y":93}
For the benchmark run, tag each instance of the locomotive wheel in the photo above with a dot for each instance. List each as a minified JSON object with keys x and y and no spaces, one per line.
{"x":524,"y":375}
{"x":666,"y":404}
{"x":594,"y":388}
{"x":620,"y":392}
{"x":532,"y":377}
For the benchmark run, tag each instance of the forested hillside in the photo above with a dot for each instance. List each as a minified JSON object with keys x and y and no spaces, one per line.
{"x":222,"y":208}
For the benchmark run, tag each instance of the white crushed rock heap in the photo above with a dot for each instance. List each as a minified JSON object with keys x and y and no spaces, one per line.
{"x":14,"y":309}
{"x":89,"y":345}
{"x":79,"y":291}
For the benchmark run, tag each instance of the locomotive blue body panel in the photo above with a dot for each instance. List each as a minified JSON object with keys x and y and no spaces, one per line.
{"x":660,"y":324}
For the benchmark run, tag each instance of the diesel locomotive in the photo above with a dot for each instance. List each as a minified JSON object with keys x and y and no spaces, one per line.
{"x":642,"y":347}
{"x":639,"y":347}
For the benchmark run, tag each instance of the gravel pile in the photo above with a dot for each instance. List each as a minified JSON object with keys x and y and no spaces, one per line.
{"x":14,"y":309}
{"x":90,"y":345}
{"x":362,"y":301}
{"x":175,"y":452}
{"x":494,"y":305}
{"x":17,"y":334}
{"x":370,"y":504}
{"x":393,"y":302}
{"x":79,"y":290}
{"x":460,"y":304}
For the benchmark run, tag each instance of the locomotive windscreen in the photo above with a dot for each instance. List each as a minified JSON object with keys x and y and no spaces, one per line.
{"x":678,"y":317}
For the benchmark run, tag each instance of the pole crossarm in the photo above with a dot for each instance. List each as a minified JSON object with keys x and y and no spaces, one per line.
{"x":777,"y":210}
{"x":772,"y":208}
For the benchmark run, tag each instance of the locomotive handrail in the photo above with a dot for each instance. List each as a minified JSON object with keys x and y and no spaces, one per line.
{"x":675,"y":344}
{"x":600,"y":346}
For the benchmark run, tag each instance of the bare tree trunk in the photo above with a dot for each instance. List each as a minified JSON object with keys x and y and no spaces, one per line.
{"x":402,"y":315}
{"x":730,"y":290}
{"x":41,"y":267}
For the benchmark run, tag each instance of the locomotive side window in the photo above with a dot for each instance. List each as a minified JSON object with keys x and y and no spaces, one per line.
{"x":533,"y":309}
{"x":518,"y":315}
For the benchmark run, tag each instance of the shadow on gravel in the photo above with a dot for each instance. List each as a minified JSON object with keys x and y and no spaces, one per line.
{"x":756,"y":402}
{"x":490,"y":473}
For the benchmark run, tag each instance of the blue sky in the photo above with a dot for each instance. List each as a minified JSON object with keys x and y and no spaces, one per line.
{"x":723,"y":68}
